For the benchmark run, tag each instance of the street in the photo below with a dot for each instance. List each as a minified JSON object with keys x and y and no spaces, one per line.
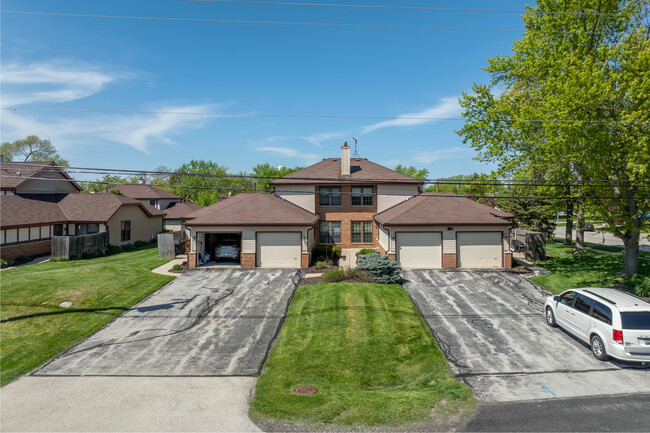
{"x":605,"y":238}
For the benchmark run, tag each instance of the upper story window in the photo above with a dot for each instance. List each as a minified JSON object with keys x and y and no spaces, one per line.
{"x":330,"y":196}
{"x":152,"y":202}
{"x":361,"y":196}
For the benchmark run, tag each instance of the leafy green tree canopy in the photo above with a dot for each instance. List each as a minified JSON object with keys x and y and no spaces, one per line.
{"x":417,"y":173}
{"x":32,"y":148}
{"x":268,"y":170}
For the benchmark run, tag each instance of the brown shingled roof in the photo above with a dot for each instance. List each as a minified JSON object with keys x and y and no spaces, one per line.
{"x":441,"y":209}
{"x":253,"y":209}
{"x":27,"y":210}
{"x":11,"y":179}
{"x":361,"y":170}
{"x":144,"y":192}
{"x":181,"y":210}
{"x":32,"y":209}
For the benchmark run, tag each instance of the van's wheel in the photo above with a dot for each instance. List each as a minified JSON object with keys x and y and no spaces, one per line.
{"x":598,"y":348}
{"x":550,"y":318}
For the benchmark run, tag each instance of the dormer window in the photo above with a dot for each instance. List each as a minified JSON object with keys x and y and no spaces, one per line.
{"x":361,"y":196}
{"x":330,"y":196}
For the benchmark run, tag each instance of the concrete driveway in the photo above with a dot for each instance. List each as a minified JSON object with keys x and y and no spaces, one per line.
{"x":207,"y":322}
{"x":490,"y":325}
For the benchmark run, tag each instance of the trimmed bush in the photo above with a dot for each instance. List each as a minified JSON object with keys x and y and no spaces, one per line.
{"x":332,"y":276}
{"x":382,"y":269}
{"x":327,"y":252}
{"x":367,"y":251}
{"x":139,"y":244}
{"x":319,"y":265}
{"x":113,"y":249}
{"x":639,"y":284}
{"x":128,"y":247}
{"x":177,"y":267}
{"x":6,"y":263}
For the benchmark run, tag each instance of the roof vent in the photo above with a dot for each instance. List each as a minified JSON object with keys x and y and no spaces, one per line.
{"x":18,"y":173}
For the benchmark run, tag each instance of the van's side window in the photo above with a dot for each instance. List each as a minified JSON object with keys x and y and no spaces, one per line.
{"x":567,"y":298}
{"x":583,"y":304}
{"x":602,"y":313}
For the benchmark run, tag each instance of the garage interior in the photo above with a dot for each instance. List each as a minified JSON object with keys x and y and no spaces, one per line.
{"x":212,"y":241}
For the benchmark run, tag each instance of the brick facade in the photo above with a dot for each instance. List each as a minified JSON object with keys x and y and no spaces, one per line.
{"x":346,"y":213}
{"x":27,"y":249}
{"x":306,"y":257}
{"x":248,"y":260}
{"x":449,"y":261}
{"x":507,"y":261}
{"x":191,"y":260}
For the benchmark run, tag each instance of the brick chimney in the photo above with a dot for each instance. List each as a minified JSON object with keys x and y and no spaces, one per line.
{"x":345,"y":159}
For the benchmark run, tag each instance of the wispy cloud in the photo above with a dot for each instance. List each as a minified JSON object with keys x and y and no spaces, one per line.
{"x":427,"y":157}
{"x":308,"y":158}
{"x":447,"y":107}
{"x":318,"y":139}
{"x":60,"y":81}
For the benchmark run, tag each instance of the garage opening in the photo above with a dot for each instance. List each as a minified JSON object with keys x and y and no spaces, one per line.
{"x":222,"y":249}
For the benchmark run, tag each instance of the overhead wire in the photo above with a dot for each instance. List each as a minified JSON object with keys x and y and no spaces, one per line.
{"x":423,"y":8}
{"x":302,"y":192}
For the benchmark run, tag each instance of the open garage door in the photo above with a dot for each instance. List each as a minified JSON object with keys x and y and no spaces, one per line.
{"x":479,"y":249}
{"x":419,"y":249}
{"x":279,"y":250}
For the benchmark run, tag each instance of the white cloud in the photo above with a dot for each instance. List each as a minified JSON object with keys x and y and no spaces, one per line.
{"x":448,"y":107}
{"x":317,"y":139}
{"x":59,"y":81}
{"x":308,"y":158}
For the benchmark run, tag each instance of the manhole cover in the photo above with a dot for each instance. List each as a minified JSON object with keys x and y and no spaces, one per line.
{"x":305,"y":390}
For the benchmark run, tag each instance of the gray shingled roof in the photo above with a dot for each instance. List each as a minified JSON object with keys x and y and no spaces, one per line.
{"x":15,"y":173}
{"x":181,"y":210}
{"x":441,"y":209}
{"x":144,"y":192}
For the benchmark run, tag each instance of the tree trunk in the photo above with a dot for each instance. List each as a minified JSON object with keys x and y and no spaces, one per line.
{"x":568,"y":234}
{"x":580,"y":230}
{"x":631,"y":253}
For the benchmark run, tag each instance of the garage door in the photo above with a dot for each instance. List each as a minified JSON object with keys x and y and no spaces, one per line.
{"x":479,"y":250}
{"x":419,"y":250}
{"x":278,"y":250}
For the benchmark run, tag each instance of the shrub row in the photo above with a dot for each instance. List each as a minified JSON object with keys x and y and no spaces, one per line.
{"x":335,"y":275}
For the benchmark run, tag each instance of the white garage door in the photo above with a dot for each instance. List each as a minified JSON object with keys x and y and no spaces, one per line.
{"x":419,"y":250}
{"x":479,"y":250}
{"x":278,"y":250}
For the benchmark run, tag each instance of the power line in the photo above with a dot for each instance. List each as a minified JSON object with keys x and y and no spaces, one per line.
{"x":212,"y":20}
{"x":316,"y":116}
{"x":302,"y":192}
{"x":487,"y":182}
{"x":423,"y":8}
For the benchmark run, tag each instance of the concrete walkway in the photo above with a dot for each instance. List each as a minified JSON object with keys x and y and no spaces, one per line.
{"x":129,"y":404}
{"x":165,"y":269}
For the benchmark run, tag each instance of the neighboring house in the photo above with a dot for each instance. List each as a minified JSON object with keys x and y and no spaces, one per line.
{"x":149,"y":195}
{"x":28,"y":221}
{"x":35,"y":177}
{"x":355,"y":204}
{"x":177,"y":215}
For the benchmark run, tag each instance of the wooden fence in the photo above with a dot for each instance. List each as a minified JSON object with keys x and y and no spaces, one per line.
{"x":531,"y":244}
{"x":69,"y":246}
{"x":169,"y":244}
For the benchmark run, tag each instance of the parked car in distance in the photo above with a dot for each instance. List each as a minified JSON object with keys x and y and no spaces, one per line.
{"x":589,"y":227}
{"x":227,"y":249}
{"x":614,"y":323}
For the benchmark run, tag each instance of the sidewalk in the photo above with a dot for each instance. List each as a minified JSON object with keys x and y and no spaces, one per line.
{"x":165,"y":269}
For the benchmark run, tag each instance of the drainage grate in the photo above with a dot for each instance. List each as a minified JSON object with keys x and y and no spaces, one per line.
{"x":305,"y":390}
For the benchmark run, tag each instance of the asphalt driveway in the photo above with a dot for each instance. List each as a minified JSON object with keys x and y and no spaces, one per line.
{"x":490,"y":325}
{"x":207,"y":322}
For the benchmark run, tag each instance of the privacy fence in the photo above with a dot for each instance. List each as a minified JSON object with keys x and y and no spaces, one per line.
{"x":69,"y":246}
{"x":170,"y":244}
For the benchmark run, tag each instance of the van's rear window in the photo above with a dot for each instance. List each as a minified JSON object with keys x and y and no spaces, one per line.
{"x":636,"y":320}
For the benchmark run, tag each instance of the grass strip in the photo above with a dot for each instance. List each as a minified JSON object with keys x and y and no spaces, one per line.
{"x":369,"y":353}
{"x":35,"y":328}
{"x":587,"y":269}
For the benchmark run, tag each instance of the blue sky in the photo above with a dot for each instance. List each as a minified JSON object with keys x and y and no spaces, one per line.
{"x":145,"y":65}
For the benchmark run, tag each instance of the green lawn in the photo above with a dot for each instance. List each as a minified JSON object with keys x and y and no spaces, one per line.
{"x":33,"y":326}
{"x":370,"y":354}
{"x":586,"y":269}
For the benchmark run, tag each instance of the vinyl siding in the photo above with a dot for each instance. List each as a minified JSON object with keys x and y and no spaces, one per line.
{"x":390,"y":195}
{"x":301,"y":195}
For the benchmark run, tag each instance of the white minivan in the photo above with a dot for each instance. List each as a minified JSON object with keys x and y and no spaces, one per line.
{"x":614,"y":323}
